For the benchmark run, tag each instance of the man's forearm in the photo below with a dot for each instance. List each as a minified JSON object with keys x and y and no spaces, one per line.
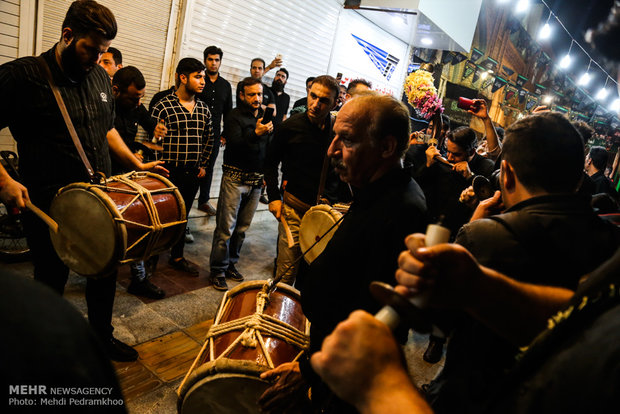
{"x":515,"y":310}
{"x":492,"y":139}
{"x":120,"y":151}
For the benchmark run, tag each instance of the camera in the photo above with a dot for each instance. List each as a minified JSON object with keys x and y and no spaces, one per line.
{"x":467,"y":104}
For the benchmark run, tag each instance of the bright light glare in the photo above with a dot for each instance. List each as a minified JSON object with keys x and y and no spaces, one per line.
{"x":584,"y":79}
{"x":547,"y":99}
{"x":565,"y":62}
{"x":484,"y":75}
{"x":426,"y":41}
{"x":602,"y":94}
{"x":545,"y":32}
{"x":615,"y":106}
{"x":522,"y":6}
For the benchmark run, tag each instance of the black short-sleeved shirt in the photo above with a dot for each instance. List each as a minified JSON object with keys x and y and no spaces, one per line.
{"x":47,"y":156}
{"x":218,"y":97}
{"x":282,"y":102}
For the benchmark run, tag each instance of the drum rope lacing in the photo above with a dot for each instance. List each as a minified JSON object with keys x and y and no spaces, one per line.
{"x":146,"y":195}
{"x":257,"y":323}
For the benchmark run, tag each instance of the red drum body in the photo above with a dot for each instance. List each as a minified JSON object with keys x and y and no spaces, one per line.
{"x":251,"y":333}
{"x":126,"y":218}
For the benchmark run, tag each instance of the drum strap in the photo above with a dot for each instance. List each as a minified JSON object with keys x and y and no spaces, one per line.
{"x":65,"y":115}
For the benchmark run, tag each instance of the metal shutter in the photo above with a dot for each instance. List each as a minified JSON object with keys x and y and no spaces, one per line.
{"x":141,"y":38}
{"x":9,"y":42}
{"x":302,"y":31}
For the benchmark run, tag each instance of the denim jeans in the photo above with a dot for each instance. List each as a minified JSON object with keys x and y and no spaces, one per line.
{"x":235,"y":209}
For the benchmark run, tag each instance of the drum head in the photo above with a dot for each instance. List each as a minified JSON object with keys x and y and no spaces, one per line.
{"x":88,"y":239}
{"x":224,"y":393}
{"x":314,"y":224}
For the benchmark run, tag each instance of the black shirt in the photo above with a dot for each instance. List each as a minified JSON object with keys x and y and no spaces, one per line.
{"x":364,"y":248}
{"x":301,"y":147}
{"x":244,"y":149}
{"x":218,"y":97}
{"x":126,"y":123}
{"x":159,"y":96}
{"x":48,"y":158}
{"x":282,"y":102}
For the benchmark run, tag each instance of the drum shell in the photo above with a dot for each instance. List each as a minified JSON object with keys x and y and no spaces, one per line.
{"x":238,"y":371}
{"x":127,"y":233}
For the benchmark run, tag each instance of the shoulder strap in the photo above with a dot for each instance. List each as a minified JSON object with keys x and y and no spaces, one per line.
{"x":65,"y":114}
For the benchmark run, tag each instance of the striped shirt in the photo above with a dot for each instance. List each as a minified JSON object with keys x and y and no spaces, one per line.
{"x":48,"y":159}
{"x":189,"y":141}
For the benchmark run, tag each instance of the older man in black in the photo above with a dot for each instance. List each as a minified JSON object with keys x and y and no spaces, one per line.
{"x":48,"y":157}
{"x":372,"y":134}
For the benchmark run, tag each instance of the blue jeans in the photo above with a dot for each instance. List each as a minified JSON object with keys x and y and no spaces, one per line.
{"x":235,"y":209}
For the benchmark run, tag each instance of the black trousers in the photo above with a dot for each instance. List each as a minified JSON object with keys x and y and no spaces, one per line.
{"x":50,"y":270}
{"x":186,"y":180}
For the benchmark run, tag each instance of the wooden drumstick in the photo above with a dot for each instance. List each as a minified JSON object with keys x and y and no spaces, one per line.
{"x":47,"y":219}
{"x":443,"y":160}
{"x":287,"y":230}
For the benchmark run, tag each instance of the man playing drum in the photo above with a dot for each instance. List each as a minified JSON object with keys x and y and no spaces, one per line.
{"x":48,"y":158}
{"x":372,"y":134}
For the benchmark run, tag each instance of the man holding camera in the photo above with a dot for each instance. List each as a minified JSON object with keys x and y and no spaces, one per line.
{"x":246,"y":143}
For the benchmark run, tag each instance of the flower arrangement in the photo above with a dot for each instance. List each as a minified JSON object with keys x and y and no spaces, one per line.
{"x":422,"y":94}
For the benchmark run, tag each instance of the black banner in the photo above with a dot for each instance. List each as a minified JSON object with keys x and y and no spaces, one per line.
{"x":469,"y":69}
{"x":522,"y":95}
{"x":489,"y":64}
{"x":498,"y":83}
{"x":458,"y":58}
{"x":488,"y":81}
{"x":509,"y":72}
{"x":539,"y":89}
{"x":447,"y":57}
{"x":531,"y":102}
{"x":476,"y":55}
{"x":521,"y":80}
{"x":479,"y":71}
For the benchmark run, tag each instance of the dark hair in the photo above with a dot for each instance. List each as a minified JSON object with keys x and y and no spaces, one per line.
{"x":585,"y":130}
{"x":189,"y":65}
{"x":445,"y":122}
{"x":546,"y":152}
{"x":124,"y":77}
{"x":310,"y":79}
{"x":353,"y":84}
{"x":87,"y":16}
{"x":259,"y":59}
{"x":212,"y":50}
{"x":116,"y":55}
{"x":386,"y":116}
{"x":465,"y":138}
{"x":329,"y":82}
{"x":283,"y":70}
{"x":249,"y":81}
{"x":599,"y":156}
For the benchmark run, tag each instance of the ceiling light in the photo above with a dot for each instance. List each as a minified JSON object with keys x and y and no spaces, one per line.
{"x":522,"y":6}
{"x":426,"y":41}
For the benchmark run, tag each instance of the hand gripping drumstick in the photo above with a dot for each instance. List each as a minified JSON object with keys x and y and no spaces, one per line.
{"x":397,"y":307}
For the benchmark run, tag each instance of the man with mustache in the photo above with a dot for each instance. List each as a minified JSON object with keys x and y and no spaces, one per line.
{"x":48,"y":158}
{"x":372,"y":134}
{"x":300,"y":143}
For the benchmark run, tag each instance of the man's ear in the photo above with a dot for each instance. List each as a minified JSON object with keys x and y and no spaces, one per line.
{"x":116,"y":91}
{"x":388,"y":146}
{"x":182,"y":78}
{"x":67,"y":35}
{"x":509,"y":178}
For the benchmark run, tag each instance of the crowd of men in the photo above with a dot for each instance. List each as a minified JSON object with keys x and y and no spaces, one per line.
{"x":531,"y":247}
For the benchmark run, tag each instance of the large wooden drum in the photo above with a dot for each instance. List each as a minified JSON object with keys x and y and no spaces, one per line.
{"x":126,"y":218}
{"x":251,"y":333}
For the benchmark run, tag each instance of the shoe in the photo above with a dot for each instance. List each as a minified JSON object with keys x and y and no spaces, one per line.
{"x":184,"y":266}
{"x":145,"y":288}
{"x":188,"y":236}
{"x":434,"y":352}
{"x":263,"y":199}
{"x":219,"y":281}
{"x":207,"y":208}
{"x":119,"y":351}
{"x":233,"y":274}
